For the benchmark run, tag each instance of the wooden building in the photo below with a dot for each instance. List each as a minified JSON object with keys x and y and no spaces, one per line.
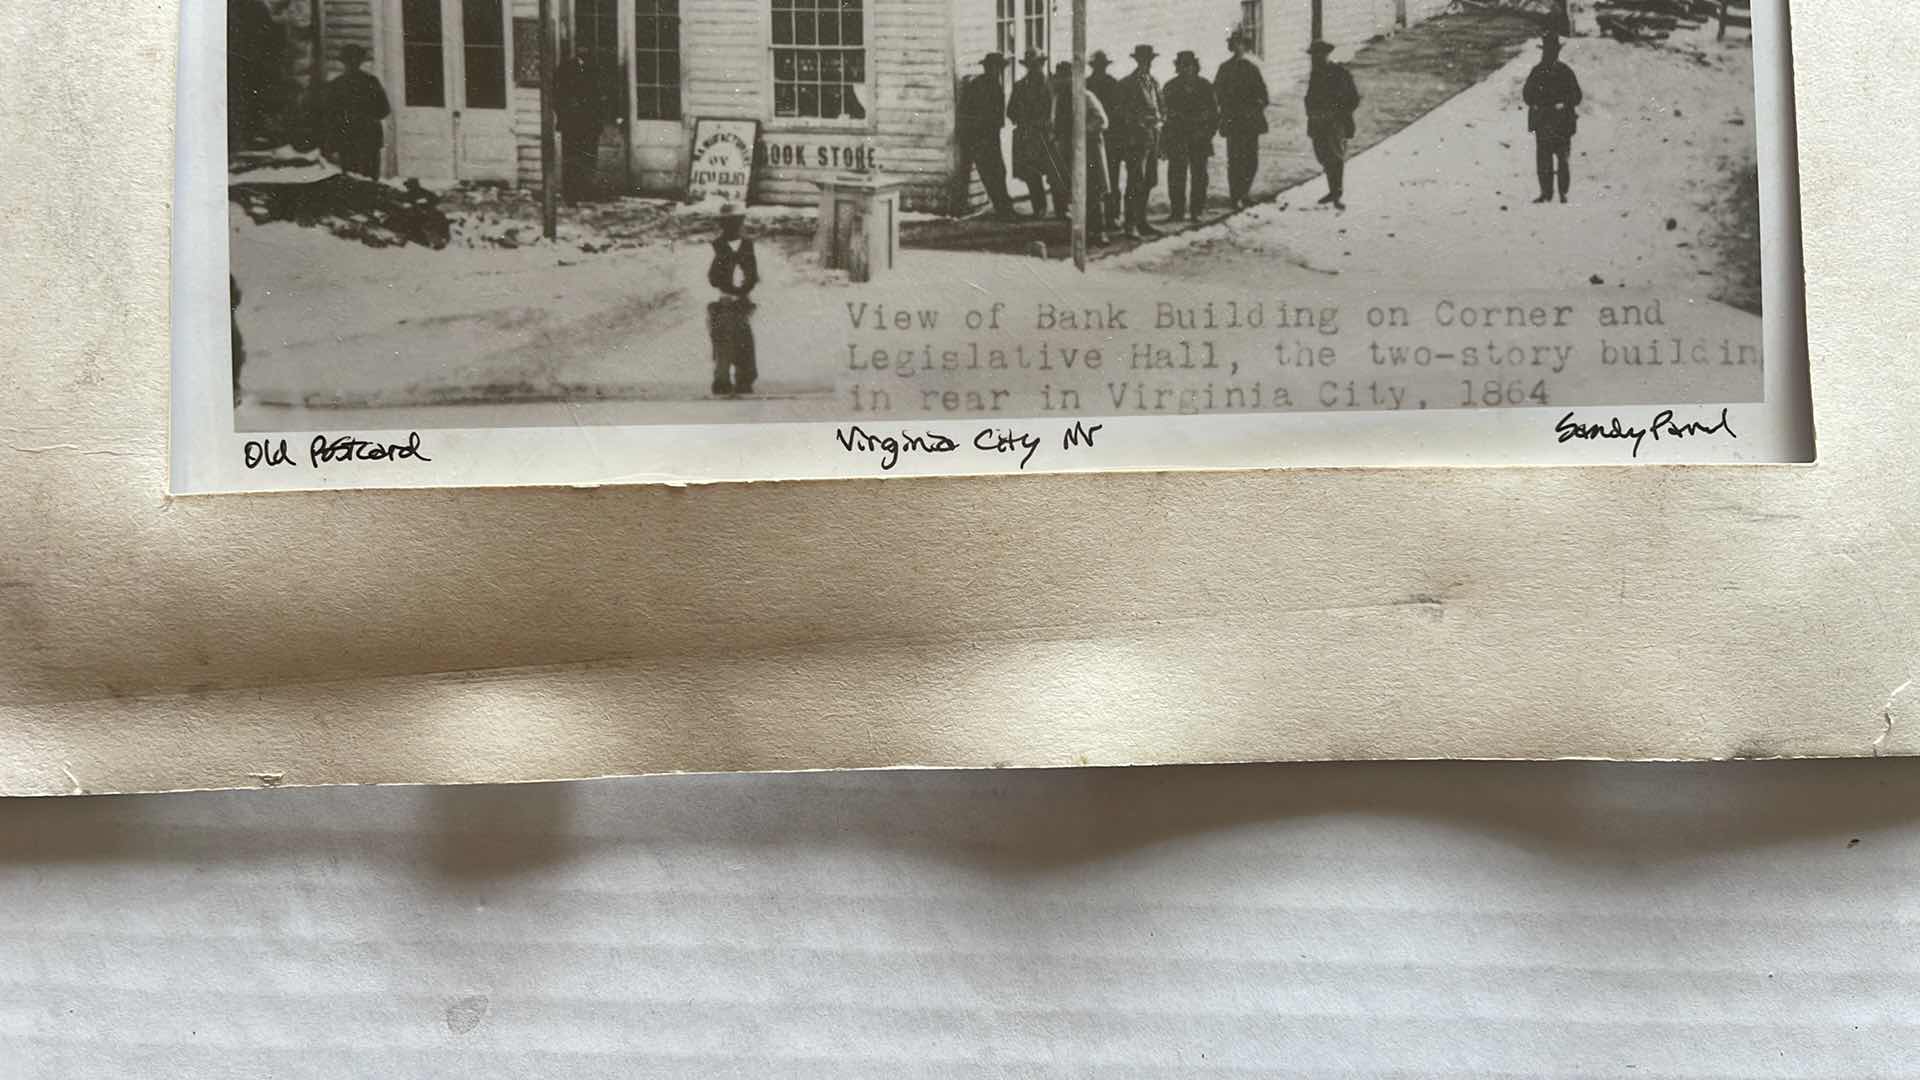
{"x":836,"y":85}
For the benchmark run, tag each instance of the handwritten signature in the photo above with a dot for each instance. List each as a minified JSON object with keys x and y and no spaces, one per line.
{"x":994,"y":440}
{"x":1664,"y":426}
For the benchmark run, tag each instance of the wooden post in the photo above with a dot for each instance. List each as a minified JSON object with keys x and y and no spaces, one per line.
{"x":1080,"y":163}
{"x":1318,"y":29}
{"x":549,"y":198}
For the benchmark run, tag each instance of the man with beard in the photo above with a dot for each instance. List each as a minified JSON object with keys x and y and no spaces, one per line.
{"x":1192,"y":117}
{"x":1031,"y":111}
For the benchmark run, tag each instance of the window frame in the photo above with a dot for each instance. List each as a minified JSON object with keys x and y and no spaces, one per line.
{"x":1253,"y":19}
{"x":680,"y":64}
{"x":772,"y":118}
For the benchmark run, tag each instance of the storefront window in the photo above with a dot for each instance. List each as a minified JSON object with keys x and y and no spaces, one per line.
{"x":819,"y":59}
{"x":423,"y":54}
{"x":656,"y":59}
{"x":1252,"y":22}
{"x":485,"y":53}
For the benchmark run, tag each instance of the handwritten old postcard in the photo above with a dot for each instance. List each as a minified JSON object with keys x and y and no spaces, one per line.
{"x":599,"y":241}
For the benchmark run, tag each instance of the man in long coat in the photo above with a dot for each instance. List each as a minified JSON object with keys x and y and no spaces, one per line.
{"x":580,"y":112}
{"x":1106,"y":89}
{"x":1031,"y":111}
{"x":1137,"y":119}
{"x":1552,"y":94}
{"x":357,"y":110}
{"x":1192,"y":117}
{"x":982,"y":115}
{"x":1241,"y":92}
{"x":1331,"y":100}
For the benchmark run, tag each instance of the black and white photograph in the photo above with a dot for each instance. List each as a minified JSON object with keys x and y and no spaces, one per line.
{"x":863,"y":237}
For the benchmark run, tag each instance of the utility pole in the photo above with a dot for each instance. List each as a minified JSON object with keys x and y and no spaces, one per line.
{"x":1319,"y":20}
{"x":1080,"y":162}
{"x":549,"y":204}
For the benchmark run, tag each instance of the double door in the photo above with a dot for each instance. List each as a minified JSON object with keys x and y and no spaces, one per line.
{"x":452,"y":63}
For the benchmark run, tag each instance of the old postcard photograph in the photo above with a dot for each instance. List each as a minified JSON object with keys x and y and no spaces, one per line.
{"x":482,"y":242}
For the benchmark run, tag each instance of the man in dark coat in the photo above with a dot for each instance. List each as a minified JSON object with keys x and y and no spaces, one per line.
{"x":982,"y":115}
{"x":357,"y":110}
{"x":1106,"y":89}
{"x":1331,"y":100}
{"x":1031,"y":111}
{"x":1241,"y":92}
{"x":580,"y":111}
{"x":1137,"y":119}
{"x":1192,"y":117}
{"x":734,"y":271}
{"x":1552,"y":94}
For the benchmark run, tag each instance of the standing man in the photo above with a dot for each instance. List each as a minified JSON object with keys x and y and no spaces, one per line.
{"x":983,"y":112}
{"x":1552,"y":94}
{"x":734,"y":271}
{"x":1031,"y":111}
{"x":1242,"y":93}
{"x":1192,"y":117}
{"x":1136,"y":123}
{"x":580,"y":110}
{"x":1331,"y":100}
{"x":357,"y":110}
{"x":1106,"y":89}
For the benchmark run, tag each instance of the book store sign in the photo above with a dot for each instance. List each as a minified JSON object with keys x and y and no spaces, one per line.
{"x":722,"y":160}
{"x":815,"y":152}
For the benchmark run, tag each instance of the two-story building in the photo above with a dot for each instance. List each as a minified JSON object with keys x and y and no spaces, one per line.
{"x":835,"y":85}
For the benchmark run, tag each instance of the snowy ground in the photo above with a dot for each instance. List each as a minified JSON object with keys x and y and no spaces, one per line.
{"x":1663,"y":134}
{"x":340,"y":335}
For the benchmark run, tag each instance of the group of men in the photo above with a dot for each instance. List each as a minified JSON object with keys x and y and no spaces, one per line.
{"x":1133,"y":124}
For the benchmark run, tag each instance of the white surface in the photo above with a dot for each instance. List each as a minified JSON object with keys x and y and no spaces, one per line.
{"x":1362,"y":920}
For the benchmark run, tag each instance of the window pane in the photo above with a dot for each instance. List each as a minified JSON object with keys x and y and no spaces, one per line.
{"x":484,"y":23}
{"x":808,"y":103}
{"x":855,"y":66}
{"x":783,"y":99}
{"x":809,"y":67}
{"x":783,"y":65}
{"x":486,"y":77}
{"x":851,"y":30}
{"x":422,"y":55}
{"x":803,"y":29}
{"x":830,"y":102}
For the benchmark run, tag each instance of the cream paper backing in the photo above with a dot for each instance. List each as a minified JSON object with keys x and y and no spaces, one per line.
{"x":150,"y":643}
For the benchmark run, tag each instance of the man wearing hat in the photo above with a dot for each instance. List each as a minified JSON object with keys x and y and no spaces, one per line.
{"x":1331,"y":100}
{"x":357,"y":109}
{"x":1192,"y":118}
{"x":1242,"y":93}
{"x":1138,"y":113}
{"x":1552,"y":93}
{"x":1097,"y":212}
{"x":734,"y":271}
{"x":983,"y":112}
{"x":1031,"y":111}
{"x":1106,"y":89}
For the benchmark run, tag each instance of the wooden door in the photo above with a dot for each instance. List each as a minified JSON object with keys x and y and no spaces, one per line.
{"x":451,"y":119}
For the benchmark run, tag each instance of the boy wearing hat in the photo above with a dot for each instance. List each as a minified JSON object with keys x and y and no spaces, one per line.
{"x":357,"y":109}
{"x":1242,"y":93}
{"x":1192,"y":117}
{"x":1331,"y":100}
{"x":983,"y":112}
{"x":1031,"y":111}
{"x":1106,"y":89}
{"x":1137,"y":119}
{"x":1552,"y":93}
{"x":734,"y":271}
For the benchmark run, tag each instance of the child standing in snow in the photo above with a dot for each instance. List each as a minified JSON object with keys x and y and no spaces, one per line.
{"x":734,"y":271}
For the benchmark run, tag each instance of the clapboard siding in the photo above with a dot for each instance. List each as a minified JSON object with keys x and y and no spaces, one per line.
{"x":917,"y":53}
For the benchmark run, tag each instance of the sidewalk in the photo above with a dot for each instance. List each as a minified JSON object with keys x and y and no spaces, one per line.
{"x":1401,"y":78}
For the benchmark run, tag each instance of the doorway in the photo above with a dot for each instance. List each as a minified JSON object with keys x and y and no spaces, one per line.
{"x":451,"y":60}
